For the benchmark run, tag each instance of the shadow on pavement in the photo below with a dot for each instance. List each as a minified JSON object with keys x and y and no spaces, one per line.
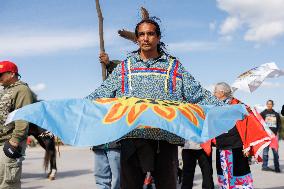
{"x":59,"y":175}
{"x":72,"y":173}
{"x":33,"y":187}
{"x":33,"y":175}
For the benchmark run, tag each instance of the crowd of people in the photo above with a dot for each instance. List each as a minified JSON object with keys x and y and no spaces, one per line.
{"x":143,"y":154}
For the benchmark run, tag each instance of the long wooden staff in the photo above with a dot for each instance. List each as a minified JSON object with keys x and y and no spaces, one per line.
{"x":101,"y":34}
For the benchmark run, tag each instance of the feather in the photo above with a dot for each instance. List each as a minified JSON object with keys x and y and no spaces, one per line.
{"x":144,"y":13}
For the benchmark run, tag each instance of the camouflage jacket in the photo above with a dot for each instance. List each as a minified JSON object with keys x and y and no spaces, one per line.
{"x":13,"y":97}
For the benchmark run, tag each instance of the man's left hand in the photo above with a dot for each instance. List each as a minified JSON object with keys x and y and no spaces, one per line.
{"x":12,"y":150}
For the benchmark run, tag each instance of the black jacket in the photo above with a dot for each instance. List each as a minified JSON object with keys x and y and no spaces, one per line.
{"x":272,"y":120}
{"x":229,"y":140}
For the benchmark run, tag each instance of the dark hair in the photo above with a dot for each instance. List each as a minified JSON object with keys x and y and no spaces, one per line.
{"x":161,"y":46}
{"x":270,"y":101}
{"x":148,"y":21}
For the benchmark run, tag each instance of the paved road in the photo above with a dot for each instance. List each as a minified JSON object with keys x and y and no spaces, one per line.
{"x":75,"y":167}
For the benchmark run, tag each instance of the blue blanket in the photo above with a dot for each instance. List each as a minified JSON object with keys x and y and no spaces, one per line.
{"x":82,"y":122}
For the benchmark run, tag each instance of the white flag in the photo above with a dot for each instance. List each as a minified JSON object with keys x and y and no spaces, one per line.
{"x":250,"y":80}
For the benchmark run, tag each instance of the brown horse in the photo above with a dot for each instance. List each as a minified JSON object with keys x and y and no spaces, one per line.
{"x":47,"y":142}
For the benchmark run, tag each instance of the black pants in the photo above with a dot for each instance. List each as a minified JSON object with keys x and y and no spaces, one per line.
{"x":189,"y":158}
{"x":165,"y":166}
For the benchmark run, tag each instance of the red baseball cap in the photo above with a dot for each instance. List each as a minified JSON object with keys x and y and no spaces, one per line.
{"x":7,"y":66}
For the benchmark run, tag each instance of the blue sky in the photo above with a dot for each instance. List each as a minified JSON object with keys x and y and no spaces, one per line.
{"x":55,"y":43}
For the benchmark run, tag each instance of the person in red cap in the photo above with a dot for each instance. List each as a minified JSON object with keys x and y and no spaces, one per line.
{"x":15,"y":94}
{"x":7,"y":69}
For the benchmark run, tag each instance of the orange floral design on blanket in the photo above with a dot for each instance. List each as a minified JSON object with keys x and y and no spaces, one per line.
{"x":133,"y":108}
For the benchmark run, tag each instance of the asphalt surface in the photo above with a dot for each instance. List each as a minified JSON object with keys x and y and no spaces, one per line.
{"x":75,"y":170}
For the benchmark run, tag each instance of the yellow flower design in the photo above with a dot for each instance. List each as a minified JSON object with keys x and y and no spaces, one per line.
{"x":133,"y":107}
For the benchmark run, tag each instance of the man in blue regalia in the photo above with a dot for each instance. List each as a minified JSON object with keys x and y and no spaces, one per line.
{"x":152,"y":73}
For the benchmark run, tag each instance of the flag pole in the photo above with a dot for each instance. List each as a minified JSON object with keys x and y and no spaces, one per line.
{"x":101,"y":35}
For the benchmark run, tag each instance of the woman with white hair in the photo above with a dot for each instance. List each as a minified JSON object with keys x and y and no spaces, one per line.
{"x":232,"y":165}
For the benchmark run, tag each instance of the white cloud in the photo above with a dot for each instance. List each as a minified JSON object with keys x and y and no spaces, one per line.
{"x":38,"y":87}
{"x":187,"y":46}
{"x":263,"y":20}
{"x":26,"y":42}
{"x":230,"y":25}
{"x":265,"y":32}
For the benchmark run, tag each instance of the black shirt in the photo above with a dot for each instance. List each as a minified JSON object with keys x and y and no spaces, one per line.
{"x":272,"y":119}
